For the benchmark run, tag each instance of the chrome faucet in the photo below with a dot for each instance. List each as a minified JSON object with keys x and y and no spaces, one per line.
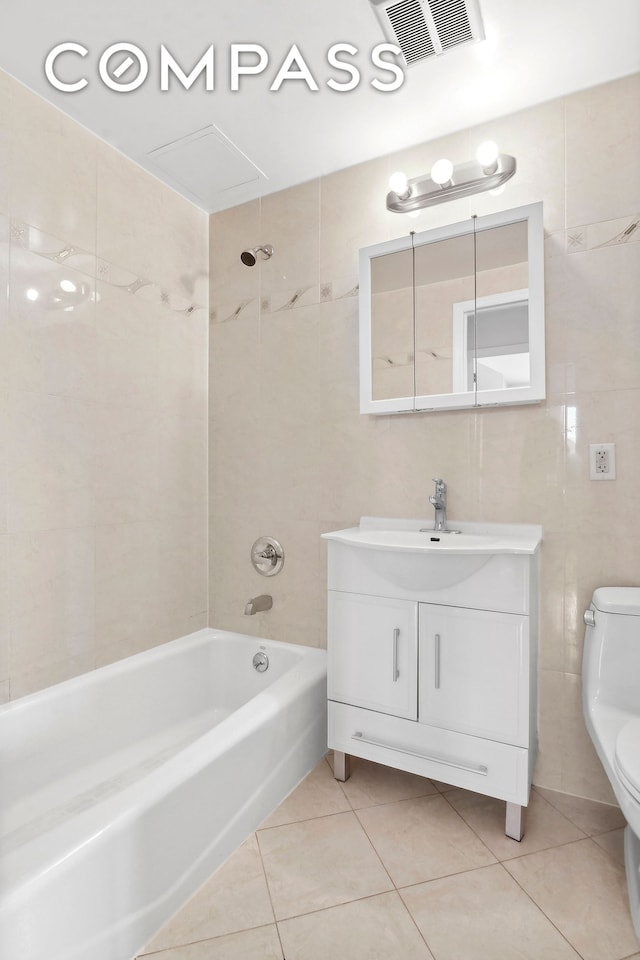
{"x":256,"y":604}
{"x":439,"y":501}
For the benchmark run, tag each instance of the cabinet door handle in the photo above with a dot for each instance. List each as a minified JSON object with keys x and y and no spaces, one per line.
{"x":396,"y":672}
{"x":480,"y":768}
{"x":436,"y":672}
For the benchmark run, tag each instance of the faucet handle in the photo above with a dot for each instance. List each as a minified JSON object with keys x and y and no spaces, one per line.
{"x":439,"y":483}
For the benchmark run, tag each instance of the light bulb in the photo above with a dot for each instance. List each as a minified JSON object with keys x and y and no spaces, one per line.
{"x":486,"y":155}
{"x":399,"y":184}
{"x":32,"y":294}
{"x":441,"y":171}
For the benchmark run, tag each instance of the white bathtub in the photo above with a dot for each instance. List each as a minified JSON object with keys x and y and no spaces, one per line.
{"x":123,"y":789}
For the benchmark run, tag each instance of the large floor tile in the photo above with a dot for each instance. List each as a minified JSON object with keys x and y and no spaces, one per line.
{"x":378,"y":928}
{"x":483,"y":915}
{"x":234,"y":898}
{"x":261,"y":943}
{"x":373,"y":783}
{"x":319,"y":795}
{"x":583,"y":892}
{"x":588,"y":815}
{"x":544,"y":825}
{"x":613,"y":843}
{"x":320,"y":863}
{"x":422,"y":839}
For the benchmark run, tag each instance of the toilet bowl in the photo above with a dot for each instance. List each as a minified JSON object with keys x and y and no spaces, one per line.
{"x":611,"y":704}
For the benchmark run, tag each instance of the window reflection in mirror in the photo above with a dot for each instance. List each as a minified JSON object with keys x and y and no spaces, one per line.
{"x":501,"y":328}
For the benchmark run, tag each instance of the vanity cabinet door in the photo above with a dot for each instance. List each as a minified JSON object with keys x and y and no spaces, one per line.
{"x":372,"y":653}
{"x":474,"y":672}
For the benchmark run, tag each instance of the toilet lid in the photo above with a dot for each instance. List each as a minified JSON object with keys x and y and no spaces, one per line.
{"x":628,"y":756}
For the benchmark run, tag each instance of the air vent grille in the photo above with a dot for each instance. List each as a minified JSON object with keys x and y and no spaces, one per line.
{"x":451,"y":21}
{"x":411,"y":30}
{"x":427,"y":28}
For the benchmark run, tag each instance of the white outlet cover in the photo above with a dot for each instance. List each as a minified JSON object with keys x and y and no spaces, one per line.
{"x":609,"y":450}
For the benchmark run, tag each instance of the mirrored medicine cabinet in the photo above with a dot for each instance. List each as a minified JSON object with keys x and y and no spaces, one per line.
{"x":454,"y":317}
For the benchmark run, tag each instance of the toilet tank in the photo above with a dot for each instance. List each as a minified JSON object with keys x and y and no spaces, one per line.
{"x":611,"y":658}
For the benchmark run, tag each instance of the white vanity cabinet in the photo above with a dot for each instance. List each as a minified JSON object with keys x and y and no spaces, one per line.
{"x":373,"y":657}
{"x":432,"y":656}
{"x":474,"y":672}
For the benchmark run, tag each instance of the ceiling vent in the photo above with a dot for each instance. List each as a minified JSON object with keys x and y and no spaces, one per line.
{"x":427,"y":28}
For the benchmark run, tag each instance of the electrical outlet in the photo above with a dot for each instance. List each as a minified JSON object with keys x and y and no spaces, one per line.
{"x":602,"y":461}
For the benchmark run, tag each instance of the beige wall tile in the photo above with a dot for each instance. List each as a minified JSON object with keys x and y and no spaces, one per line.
{"x":235,"y":376}
{"x":290,"y":222}
{"x":536,"y":138}
{"x":126,"y":576}
{"x":51,"y":600}
{"x":51,"y":338}
{"x":53,"y":169}
{"x":145,"y":227}
{"x":182,"y":566}
{"x":231,"y":232}
{"x":603,"y":145}
{"x":6,"y":84}
{"x":126,"y":463}
{"x":50,"y":463}
{"x":4,"y":616}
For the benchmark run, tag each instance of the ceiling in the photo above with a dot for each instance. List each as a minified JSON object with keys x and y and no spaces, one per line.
{"x":230,"y":146}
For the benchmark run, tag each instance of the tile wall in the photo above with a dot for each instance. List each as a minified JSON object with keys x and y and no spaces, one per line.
{"x":103,"y":401}
{"x":291,"y":457}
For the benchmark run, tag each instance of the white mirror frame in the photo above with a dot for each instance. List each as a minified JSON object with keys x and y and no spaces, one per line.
{"x":534,"y":392}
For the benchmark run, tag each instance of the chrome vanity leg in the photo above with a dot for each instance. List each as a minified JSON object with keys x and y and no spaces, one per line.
{"x":514,"y":824}
{"x":341,"y":765}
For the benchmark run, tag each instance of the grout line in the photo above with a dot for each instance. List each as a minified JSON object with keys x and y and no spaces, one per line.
{"x":168,"y":951}
{"x":266,"y":881}
{"x":333,"y":906}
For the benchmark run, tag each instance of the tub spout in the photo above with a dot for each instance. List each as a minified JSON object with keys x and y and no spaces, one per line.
{"x":256,"y":604}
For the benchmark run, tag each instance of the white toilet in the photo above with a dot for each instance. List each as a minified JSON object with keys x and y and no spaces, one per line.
{"x":611,"y":703}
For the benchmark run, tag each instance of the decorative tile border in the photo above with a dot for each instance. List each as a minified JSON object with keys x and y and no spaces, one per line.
{"x":613,"y":232}
{"x":283,"y":301}
{"x":221,"y":314}
{"x":593,"y":236}
{"x":56,"y":250}
{"x":280,"y":301}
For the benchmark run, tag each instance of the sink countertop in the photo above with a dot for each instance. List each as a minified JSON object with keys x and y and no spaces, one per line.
{"x":418,"y":536}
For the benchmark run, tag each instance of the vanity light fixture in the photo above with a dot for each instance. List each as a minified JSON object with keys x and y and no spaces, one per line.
{"x":489,"y":171}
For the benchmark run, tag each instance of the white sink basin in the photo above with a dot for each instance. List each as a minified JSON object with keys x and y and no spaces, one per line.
{"x":487,"y":539}
{"x":411,"y":555}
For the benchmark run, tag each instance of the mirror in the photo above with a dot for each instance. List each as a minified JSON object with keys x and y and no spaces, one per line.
{"x":454,"y":317}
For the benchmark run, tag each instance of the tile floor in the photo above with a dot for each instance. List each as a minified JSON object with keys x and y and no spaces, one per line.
{"x":390,"y":866}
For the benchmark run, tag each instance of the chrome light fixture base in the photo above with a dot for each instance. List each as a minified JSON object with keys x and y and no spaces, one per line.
{"x":466,"y":179}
